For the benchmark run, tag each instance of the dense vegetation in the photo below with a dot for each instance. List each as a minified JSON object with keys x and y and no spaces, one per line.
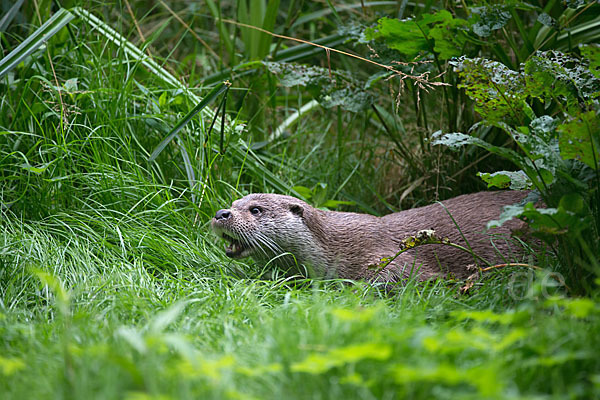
{"x":125,"y":126}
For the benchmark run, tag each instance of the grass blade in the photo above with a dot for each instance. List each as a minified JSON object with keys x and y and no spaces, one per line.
{"x":132,"y":50}
{"x":268,"y":24}
{"x":8,"y":17}
{"x":35,"y":41}
{"x":217,"y":90}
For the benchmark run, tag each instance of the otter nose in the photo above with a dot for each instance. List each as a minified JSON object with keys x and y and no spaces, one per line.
{"x":223,"y":214}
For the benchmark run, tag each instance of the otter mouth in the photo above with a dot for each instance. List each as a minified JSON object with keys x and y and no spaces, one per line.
{"x":235,"y":248}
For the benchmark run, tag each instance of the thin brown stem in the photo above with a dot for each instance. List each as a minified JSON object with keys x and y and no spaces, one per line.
{"x":137,"y":26}
{"x":418,"y":78}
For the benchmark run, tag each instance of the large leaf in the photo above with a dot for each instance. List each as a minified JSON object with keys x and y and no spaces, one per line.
{"x":404,"y":36}
{"x":536,"y":170}
{"x":591,"y":52}
{"x":499,"y":92}
{"x":515,"y":180}
{"x":440,"y":32}
{"x":488,"y":19}
{"x":553,"y":75}
{"x":340,"y":90}
{"x":580,"y":139}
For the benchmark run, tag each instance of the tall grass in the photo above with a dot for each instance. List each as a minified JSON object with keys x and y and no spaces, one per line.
{"x":111,"y":285}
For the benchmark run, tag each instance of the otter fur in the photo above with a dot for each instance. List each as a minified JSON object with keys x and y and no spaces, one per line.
{"x":289,"y":233}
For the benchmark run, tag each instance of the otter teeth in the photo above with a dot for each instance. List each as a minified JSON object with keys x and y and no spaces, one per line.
{"x":234,"y":248}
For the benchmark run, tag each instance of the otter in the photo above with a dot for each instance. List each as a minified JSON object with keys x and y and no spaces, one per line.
{"x":289,"y":233}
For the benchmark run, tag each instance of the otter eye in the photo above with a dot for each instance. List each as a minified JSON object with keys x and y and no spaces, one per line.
{"x":255,"y":210}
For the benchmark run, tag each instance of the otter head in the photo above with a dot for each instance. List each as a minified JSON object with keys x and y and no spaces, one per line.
{"x":263,"y":226}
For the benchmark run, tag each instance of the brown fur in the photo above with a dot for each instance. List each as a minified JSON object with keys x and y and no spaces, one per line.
{"x":346,"y":245}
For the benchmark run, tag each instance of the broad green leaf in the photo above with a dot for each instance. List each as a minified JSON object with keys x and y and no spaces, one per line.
{"x":404,"y":36}
{"x":456,"y":140}
{"x":320,"y":363}
{"x":504,"y":318}
{"x":303,"y":191}
{"x":580,"y":139}
{"x":354,"y":100}
{"x":336,"y":203}
{"x":259,"y":370}
{"x":488,"y":19}
{"x":358,"y":352}
{"x":499,"y":93}
{"x":539,"y":147}
{"x":290,"y":75}
{"x":347,"y":93}
{"x":572,"y":202}
{"x":162,"y":99}
{"x":315,"y":364}
{"x":513,"y":210}
{"x":449,"y":37}
{"x":553,"y":221}
{"x":515,"y":180}
{"x":440,"y":31}
{"x":552,"y":75}
{"x":592,"y":53}
{"x":482,"y":378}
{"x":544,"y":126}
{"x":348,"y":315}
{"x":577,"y":307}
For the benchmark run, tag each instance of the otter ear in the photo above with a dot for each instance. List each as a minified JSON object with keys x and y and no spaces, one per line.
{"x":296,"y":208}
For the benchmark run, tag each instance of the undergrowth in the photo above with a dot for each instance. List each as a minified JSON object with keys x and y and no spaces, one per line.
{"x":111,"y":285}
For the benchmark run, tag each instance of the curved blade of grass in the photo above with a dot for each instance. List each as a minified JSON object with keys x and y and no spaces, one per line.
{"x":586,"y":32}
{"x":217,"y":90}
{"x":224,"y":110}
{"x":10,"y":15}
{"x":336,"y":15}
{"x":131,"y":49}
{"x":189,"y":170}
{"x":35,"y":41}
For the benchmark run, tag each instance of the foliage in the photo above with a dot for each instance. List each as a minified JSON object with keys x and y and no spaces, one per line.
{"x":324,"y":88}
{"x":559,"y":159}
{"x":111,"y":285}
{"x":124,"y":332}
{"x":413,"y":38}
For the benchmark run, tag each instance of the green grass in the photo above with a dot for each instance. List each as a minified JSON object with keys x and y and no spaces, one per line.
{"x":112,"y":286}
{"x":82,"y":319}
